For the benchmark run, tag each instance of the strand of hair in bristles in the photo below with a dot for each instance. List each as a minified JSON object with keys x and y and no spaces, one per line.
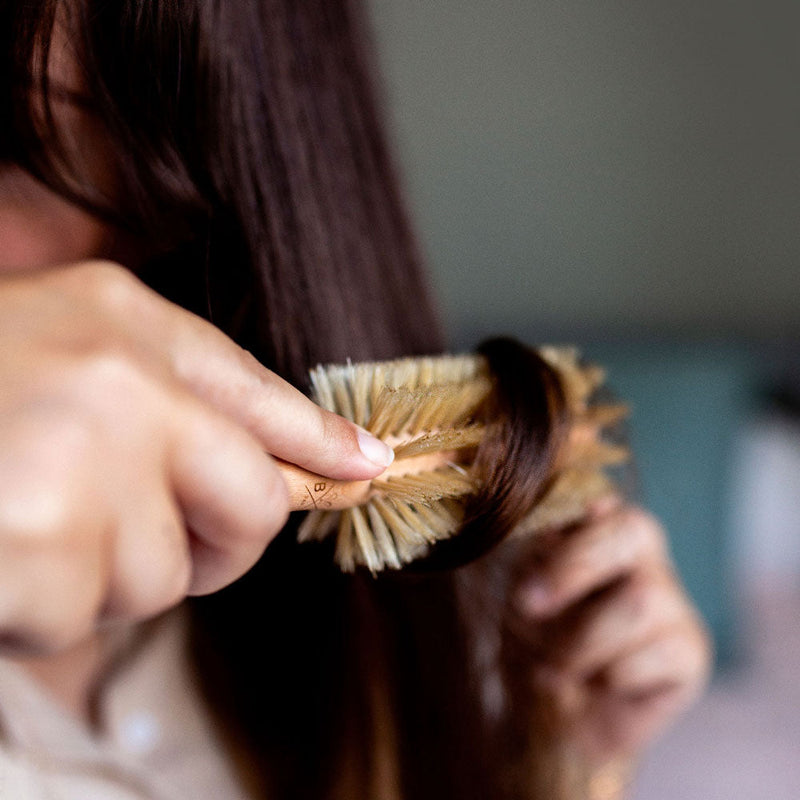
{"x":501,"y":416}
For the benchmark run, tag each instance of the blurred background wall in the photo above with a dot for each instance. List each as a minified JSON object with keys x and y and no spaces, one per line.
{"x":627,"y":176}
{"x":605,"y":166}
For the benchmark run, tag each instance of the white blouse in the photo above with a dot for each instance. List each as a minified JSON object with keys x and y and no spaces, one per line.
{"x":155,"y":739}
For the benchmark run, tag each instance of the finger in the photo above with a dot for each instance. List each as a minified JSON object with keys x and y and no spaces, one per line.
{"x":53,"y":571}
{"x":638,"y":696}
{"x":617,"y":713}
{"x":676,"y":657}
{"x":612,"y":725}
{"x":594,"y":634}
{"x":591,"y":557}
{"x":285,"y":421}
{"x":231,"y":495}
{"x":151,"y":562}
{"x":50,"y":600}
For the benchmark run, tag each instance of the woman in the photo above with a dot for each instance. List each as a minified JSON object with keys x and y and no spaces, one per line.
{"x":230,"y":156}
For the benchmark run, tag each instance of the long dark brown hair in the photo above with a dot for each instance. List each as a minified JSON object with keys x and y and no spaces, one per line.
{"x":252,"y":165}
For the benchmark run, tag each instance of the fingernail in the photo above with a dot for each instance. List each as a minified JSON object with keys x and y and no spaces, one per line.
{"x":373,"y":449}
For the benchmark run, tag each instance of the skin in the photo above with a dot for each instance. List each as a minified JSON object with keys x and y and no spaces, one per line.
{"x":615,"y":638}
{"x":136,"y":469}
{"x":137,"y":440}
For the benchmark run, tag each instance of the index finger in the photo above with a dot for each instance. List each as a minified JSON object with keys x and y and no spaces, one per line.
{"x":220,"y":372}
{"x":288,"y":424}
{"x":594,"y":556}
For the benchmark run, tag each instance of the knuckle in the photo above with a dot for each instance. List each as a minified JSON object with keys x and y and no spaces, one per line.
{"x":651,"y":600}
{"x":638,"y":599}
{"x":112,"y":286}
{"x":112,"y":385}
{"x":38,"y":517}
{"x":45,"y":523}
{"x":110,"y":370}
{"x":645,"y":531}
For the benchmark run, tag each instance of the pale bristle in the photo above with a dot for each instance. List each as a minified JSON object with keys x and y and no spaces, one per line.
{"x":342,"y":388}
{"x":450,"y":439}
{"x":345,"y":553}
{"x":578,"y":381}
{"x":440,"y":519}
{"x":604,"y":416}
{"x":427,"y":487}
{"x":317,"y":525}
{"x":391,"y":412}
{"x":428,"y":404}
{"x":361,"y":385}
{"x":566,"y":501}
{"x":367,"y":545}
{"x":383,"y":538}
{"x":396,"y":411}
{"x":409,"y":542}
{"x":595,"y":453}
{"x":321,"y":388}
{"x":434,"y":404}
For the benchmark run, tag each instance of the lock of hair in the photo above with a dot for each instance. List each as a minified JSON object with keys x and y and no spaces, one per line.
{"x":441,"y":416}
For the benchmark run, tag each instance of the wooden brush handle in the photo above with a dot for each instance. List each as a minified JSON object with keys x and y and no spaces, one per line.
{"x":309,"y":491}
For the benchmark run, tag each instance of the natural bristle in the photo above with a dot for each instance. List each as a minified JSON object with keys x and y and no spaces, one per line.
{"x":435,"y":407}
{"x":439,"y":440}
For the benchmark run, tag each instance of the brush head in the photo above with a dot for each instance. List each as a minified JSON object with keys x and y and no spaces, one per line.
{"x":435,"y":412}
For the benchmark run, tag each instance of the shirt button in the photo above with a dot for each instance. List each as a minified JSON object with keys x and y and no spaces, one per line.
{"x":139,"y":732}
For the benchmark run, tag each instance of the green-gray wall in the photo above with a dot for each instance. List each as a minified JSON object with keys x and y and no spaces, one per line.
{"x":602,"y":165}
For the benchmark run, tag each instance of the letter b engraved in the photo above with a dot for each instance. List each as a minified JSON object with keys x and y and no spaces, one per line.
{"x":319,"y":496}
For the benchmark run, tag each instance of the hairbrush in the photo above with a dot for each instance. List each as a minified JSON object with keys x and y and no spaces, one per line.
{"x":441,"y":416}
